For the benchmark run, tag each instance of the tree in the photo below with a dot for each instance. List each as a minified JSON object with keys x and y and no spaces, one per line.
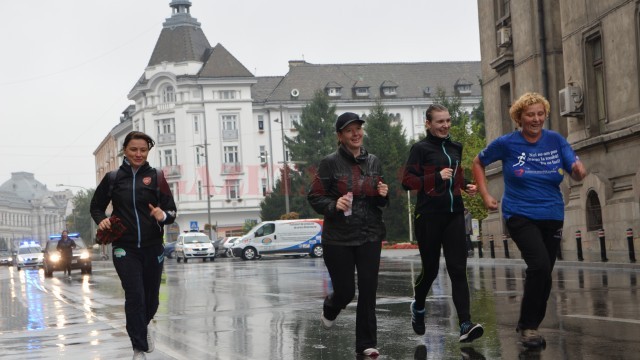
{"x":315,"y":138}
{"x":388,"y":142}
{"x":80,"y":221}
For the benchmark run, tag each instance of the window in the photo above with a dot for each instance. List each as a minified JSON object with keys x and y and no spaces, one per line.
{"x":233,"y":189}
{"x":229,"y":127}
{"x":266,"y":229}
{"x":165,"y":126}
{"x":263,"y":186}
{"x":263,"y":154}
{"x":196,"y":124}
{"x":199,"y":155}
{"x":504,"y":8}
{"x":362,"y":91}
{"x":199,"y":190}
{"x":227,"y":94}
{"x":389,"y":91}
{"x":231,"y":154}
{"x":174,"y":191}
{"x":334,"y":92}
{"x":293,"y":119}
{"x":168,"y":95}
{"x":597,"y":76}
{"x":168,"y":157}
{"x":594,"y":212}
{"x":260,"y":122}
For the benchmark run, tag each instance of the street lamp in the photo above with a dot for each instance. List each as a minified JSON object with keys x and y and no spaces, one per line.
{"x":285,"y":177}
{"x":206,"y":166}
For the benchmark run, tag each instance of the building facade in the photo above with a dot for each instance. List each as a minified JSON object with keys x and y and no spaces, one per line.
{"x":219,"y":129}
{"x":585,"y":58}
{"x":29,"y":211}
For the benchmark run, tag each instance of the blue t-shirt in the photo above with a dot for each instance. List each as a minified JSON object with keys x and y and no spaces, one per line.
{"x":532,"y":173}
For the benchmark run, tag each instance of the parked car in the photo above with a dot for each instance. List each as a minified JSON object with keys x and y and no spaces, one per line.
{"x":227,"y":244}
{"x":29,"y":254}
{"x":194,"y":245}
{"x":170,"y":249}
{"x":6,"y":258}
{"x":81,"y":256}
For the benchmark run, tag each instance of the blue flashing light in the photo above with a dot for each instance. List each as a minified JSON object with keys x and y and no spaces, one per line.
{"x":59,"y":236}
{"x":29,"y":243}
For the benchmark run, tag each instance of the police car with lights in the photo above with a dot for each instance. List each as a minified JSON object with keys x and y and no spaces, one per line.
{"x":81,"y":256}
{"x":194,"y":245}
{"x":29,"y":255}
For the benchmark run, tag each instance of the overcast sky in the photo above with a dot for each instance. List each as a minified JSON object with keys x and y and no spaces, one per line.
{"x":67,"y":66}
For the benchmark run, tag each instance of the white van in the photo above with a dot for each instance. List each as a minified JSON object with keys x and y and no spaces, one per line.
{"x":281,"y":237}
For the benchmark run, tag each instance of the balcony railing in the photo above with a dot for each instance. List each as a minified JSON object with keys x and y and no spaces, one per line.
{"x":172,"y":171}
{"x":231,"y":168}
{"x":167,"y":138}
{"x":230,"y":134}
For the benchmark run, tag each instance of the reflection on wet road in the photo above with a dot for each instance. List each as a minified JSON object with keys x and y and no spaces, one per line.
{"x":269,"y":309}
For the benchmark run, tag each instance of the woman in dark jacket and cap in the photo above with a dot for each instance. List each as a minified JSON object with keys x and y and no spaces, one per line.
{"x":348,"y":190}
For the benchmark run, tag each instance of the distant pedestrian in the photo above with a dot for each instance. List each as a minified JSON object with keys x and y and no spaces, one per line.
{"x":65,"y":248}
{"x":348,"y":190}
{"x":534,"y":161}
{"x":142,"y":205}
{"x":434,"y":170}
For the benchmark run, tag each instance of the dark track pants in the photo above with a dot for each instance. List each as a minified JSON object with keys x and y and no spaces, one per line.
{"x":446,"y":231}
{"x":538,"y":241}
{"x":341,"y":261}
{"x":140,"y":271}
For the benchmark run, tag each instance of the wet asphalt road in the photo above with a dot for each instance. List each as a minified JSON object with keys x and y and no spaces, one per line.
{"x":269,"y":309}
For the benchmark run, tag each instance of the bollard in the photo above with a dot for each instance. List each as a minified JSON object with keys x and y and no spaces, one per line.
{"x":603,"y":249}
{"x":480,"y":247}
{"x":632,"y":252}
{"x":579,"y":244}
{"x":491,"y":247}
{"x":505,"y":242}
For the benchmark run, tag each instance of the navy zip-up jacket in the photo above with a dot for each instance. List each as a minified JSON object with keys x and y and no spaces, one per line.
{"x":131,"y":194}
{"x":422,"y":173}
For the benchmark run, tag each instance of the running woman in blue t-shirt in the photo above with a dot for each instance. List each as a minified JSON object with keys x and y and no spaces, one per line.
{"x":534,"y":161}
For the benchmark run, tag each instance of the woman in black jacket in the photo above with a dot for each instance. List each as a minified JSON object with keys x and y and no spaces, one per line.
{"x":143,"y":203}
{"x":348,"y":190}
{"x":434,"y":171}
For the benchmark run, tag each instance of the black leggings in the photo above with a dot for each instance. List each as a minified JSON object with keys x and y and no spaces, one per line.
{"x":538,"y":242}
{"x":446,"y":231}
{"x":342,"y":262}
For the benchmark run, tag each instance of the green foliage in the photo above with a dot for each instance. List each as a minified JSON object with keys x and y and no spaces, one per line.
{"x":316,"y":135}
{"x":248,"y":225}
{"x":388,"y":142}
{"x":80,"y":220}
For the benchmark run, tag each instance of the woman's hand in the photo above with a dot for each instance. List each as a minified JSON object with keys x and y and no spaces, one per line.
{"x":446,"y":173}
{"x":343,"y":203}
{"x":383,"y":189}
{"x":156,"y":212}
{"x":471,"y":189}
{"x":490,"y":202}
{"x":104,"y":224}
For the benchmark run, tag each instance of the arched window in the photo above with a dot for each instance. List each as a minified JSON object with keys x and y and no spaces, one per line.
{"x":594,"y":212}
{"x":168,"y":95}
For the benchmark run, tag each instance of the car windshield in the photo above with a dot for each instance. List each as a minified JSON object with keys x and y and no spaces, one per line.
{"x":53,"y":243}
{"x":196,"y":239}
{"x":29,"y":250}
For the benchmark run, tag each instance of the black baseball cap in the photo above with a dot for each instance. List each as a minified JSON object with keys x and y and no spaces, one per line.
{"x":346,"y":119}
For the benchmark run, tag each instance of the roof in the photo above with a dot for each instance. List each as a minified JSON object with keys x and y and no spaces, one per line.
{"x":411,"y":79}
{"x":221,"y":64}
{"x":178,"y":44}
{"x":264,"y":86}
